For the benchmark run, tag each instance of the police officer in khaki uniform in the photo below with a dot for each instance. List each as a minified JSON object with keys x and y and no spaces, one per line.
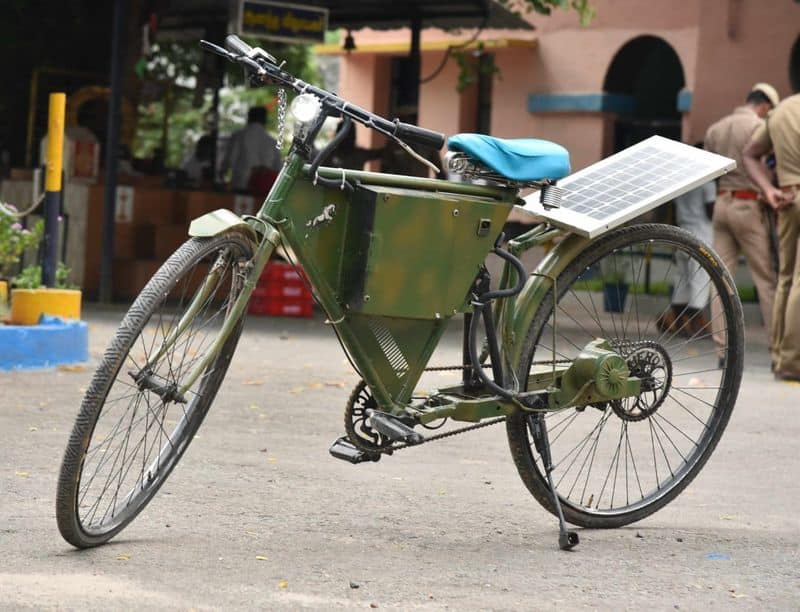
{"x":740,"y":222}
{"x":781,"y":134}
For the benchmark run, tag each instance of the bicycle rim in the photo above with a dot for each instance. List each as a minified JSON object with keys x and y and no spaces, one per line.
{"x":623,"y":460}
{"x":139,"y":434}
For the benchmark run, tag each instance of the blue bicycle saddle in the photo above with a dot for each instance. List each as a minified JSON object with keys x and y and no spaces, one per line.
{"x":521,"y":159}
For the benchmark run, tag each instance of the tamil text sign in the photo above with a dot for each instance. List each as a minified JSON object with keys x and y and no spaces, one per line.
{"x":282,"y":21}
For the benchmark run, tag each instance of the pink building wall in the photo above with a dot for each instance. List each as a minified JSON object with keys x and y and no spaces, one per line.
{"x":757,"y":48}
{"x":724,"y":46}
{"x":364,"y":81}
{"x":440,"y":103}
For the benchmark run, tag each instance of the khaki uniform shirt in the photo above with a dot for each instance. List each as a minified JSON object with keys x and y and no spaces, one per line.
{"x":781,"y":133}
{"x":729,"y":136}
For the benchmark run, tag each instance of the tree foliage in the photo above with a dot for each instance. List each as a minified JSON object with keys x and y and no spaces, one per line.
{"x":178,"y":82}
{"x":470,"y":70}
{"x":583,"y":8}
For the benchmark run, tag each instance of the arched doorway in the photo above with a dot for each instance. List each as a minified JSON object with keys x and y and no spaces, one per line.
{"x":794,"y":66}
{"x":645,"y":77}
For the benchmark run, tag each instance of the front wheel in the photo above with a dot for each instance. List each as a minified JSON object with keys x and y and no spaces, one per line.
{"x":134,"y":425}
{"x":644,"y":289}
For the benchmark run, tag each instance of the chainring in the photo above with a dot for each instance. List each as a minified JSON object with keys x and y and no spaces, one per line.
{"x":356,"y":422}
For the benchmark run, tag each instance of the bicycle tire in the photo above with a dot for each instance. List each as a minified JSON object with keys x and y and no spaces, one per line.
{"x":570,"y":283}
{"x":176,"y":277}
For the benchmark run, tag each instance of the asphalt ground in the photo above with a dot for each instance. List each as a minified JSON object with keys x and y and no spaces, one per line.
{"x":259,"y":516}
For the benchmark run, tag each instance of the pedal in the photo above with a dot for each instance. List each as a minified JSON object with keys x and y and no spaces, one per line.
{"x":343,"y":449}
{"x":393,"y":428}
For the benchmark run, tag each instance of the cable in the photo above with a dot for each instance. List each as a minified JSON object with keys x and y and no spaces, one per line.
{"x":452,"y":48}
{"x":5,"y":208}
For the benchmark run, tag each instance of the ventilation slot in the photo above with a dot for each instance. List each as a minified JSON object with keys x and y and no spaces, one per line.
{"x":389,"y":347}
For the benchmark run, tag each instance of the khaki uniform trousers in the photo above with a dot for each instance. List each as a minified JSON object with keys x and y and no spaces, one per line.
{"x":786,"y":316}
{"x":740,"y":226}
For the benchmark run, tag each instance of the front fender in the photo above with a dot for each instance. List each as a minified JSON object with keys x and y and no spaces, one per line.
{"x":519,"y":317}
{"x":218,"y":222}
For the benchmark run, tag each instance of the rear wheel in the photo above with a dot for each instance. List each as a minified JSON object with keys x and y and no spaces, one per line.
{"x":134,"y":426}
{"x":618,"y":462}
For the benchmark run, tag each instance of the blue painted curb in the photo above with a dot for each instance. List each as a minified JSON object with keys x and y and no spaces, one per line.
{"x":52,"y":342}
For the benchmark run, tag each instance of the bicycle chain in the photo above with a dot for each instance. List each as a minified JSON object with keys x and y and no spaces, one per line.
{"x":448,"y":434}
{"x":625,"y":346}
{"x":281,"y":118}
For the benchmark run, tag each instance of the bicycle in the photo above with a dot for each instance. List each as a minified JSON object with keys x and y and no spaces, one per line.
{"x":391,"y":260}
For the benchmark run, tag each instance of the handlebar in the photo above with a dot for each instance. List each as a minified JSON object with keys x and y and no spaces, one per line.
{"x":411,"y":133}
{"x":265,"y":68}
{"x":236,"y":45}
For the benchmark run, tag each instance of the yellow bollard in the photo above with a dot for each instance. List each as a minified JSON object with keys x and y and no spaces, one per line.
{"x":55,"y":141}
{"x":52,"y":184}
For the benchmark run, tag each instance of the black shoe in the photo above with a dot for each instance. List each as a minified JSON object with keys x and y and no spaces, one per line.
{"x":721,"y":363}
{"x":787,"y":376}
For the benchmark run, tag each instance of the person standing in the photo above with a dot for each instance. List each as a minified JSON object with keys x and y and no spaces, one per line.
{"x":249,"y":149}
{"x":781,"y":134}
{"x":691,"y":283}
{"x":739,"y":220}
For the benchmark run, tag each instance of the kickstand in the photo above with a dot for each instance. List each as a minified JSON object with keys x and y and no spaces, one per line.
{"x":566,"y":539}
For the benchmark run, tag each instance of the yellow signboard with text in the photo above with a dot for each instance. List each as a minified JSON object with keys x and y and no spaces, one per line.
{"x":282,"y":21}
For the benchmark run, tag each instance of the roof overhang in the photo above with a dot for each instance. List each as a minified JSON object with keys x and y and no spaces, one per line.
{"x":403,"y":47}
{"x":446,"y":14}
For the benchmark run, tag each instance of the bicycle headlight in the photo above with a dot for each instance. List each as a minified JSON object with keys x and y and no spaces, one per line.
{"x":305,"y":108}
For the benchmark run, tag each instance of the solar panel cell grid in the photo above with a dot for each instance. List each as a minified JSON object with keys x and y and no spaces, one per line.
{"x":629,"y":183}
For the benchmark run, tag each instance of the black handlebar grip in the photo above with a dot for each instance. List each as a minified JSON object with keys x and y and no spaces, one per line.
{"x":411,"y":133}
{"x":209,"y":46}
{"x":236,"y":45}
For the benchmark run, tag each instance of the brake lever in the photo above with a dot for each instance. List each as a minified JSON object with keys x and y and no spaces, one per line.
{"x":236,"y":58}
{"x":258,"y":52}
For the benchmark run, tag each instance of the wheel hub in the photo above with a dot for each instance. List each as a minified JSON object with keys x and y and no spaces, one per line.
{"x":650,"y":363}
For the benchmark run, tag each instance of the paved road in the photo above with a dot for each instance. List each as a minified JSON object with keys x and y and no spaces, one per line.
{"x":258,"y":516}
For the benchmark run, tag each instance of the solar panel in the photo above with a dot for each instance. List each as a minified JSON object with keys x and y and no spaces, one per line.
{"x":627,"y":184}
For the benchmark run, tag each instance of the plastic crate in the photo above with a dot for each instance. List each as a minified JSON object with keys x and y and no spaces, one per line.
{"x":279,"y":273}
{"x":293,"y":290}
{"x":279,"y":307}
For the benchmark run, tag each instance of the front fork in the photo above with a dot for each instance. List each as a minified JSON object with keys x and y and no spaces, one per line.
{"x":269,"y":241}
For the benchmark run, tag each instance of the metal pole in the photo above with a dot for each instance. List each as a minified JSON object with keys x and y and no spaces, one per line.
{"x":53,"y":184}
{"x":214,"y":127}
{"x":112,"y":151}
{"x":415,"y":54}
{"x":32,"y":103}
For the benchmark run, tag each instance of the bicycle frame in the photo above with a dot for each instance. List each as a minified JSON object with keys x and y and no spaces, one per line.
{"x":391,"y":259}
{"x":391,"y":336}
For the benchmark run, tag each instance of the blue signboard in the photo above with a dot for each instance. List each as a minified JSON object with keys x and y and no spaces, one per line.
{"x":282,"y":21}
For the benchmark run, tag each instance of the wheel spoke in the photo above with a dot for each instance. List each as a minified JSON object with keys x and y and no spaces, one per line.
{"x":640,"y":448}
{"x":138,"y":436}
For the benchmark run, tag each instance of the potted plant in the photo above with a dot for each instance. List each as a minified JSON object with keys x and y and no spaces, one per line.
{"x":29,"y":300}
{"x":14,"y":241}
{"x":616,"y":282}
